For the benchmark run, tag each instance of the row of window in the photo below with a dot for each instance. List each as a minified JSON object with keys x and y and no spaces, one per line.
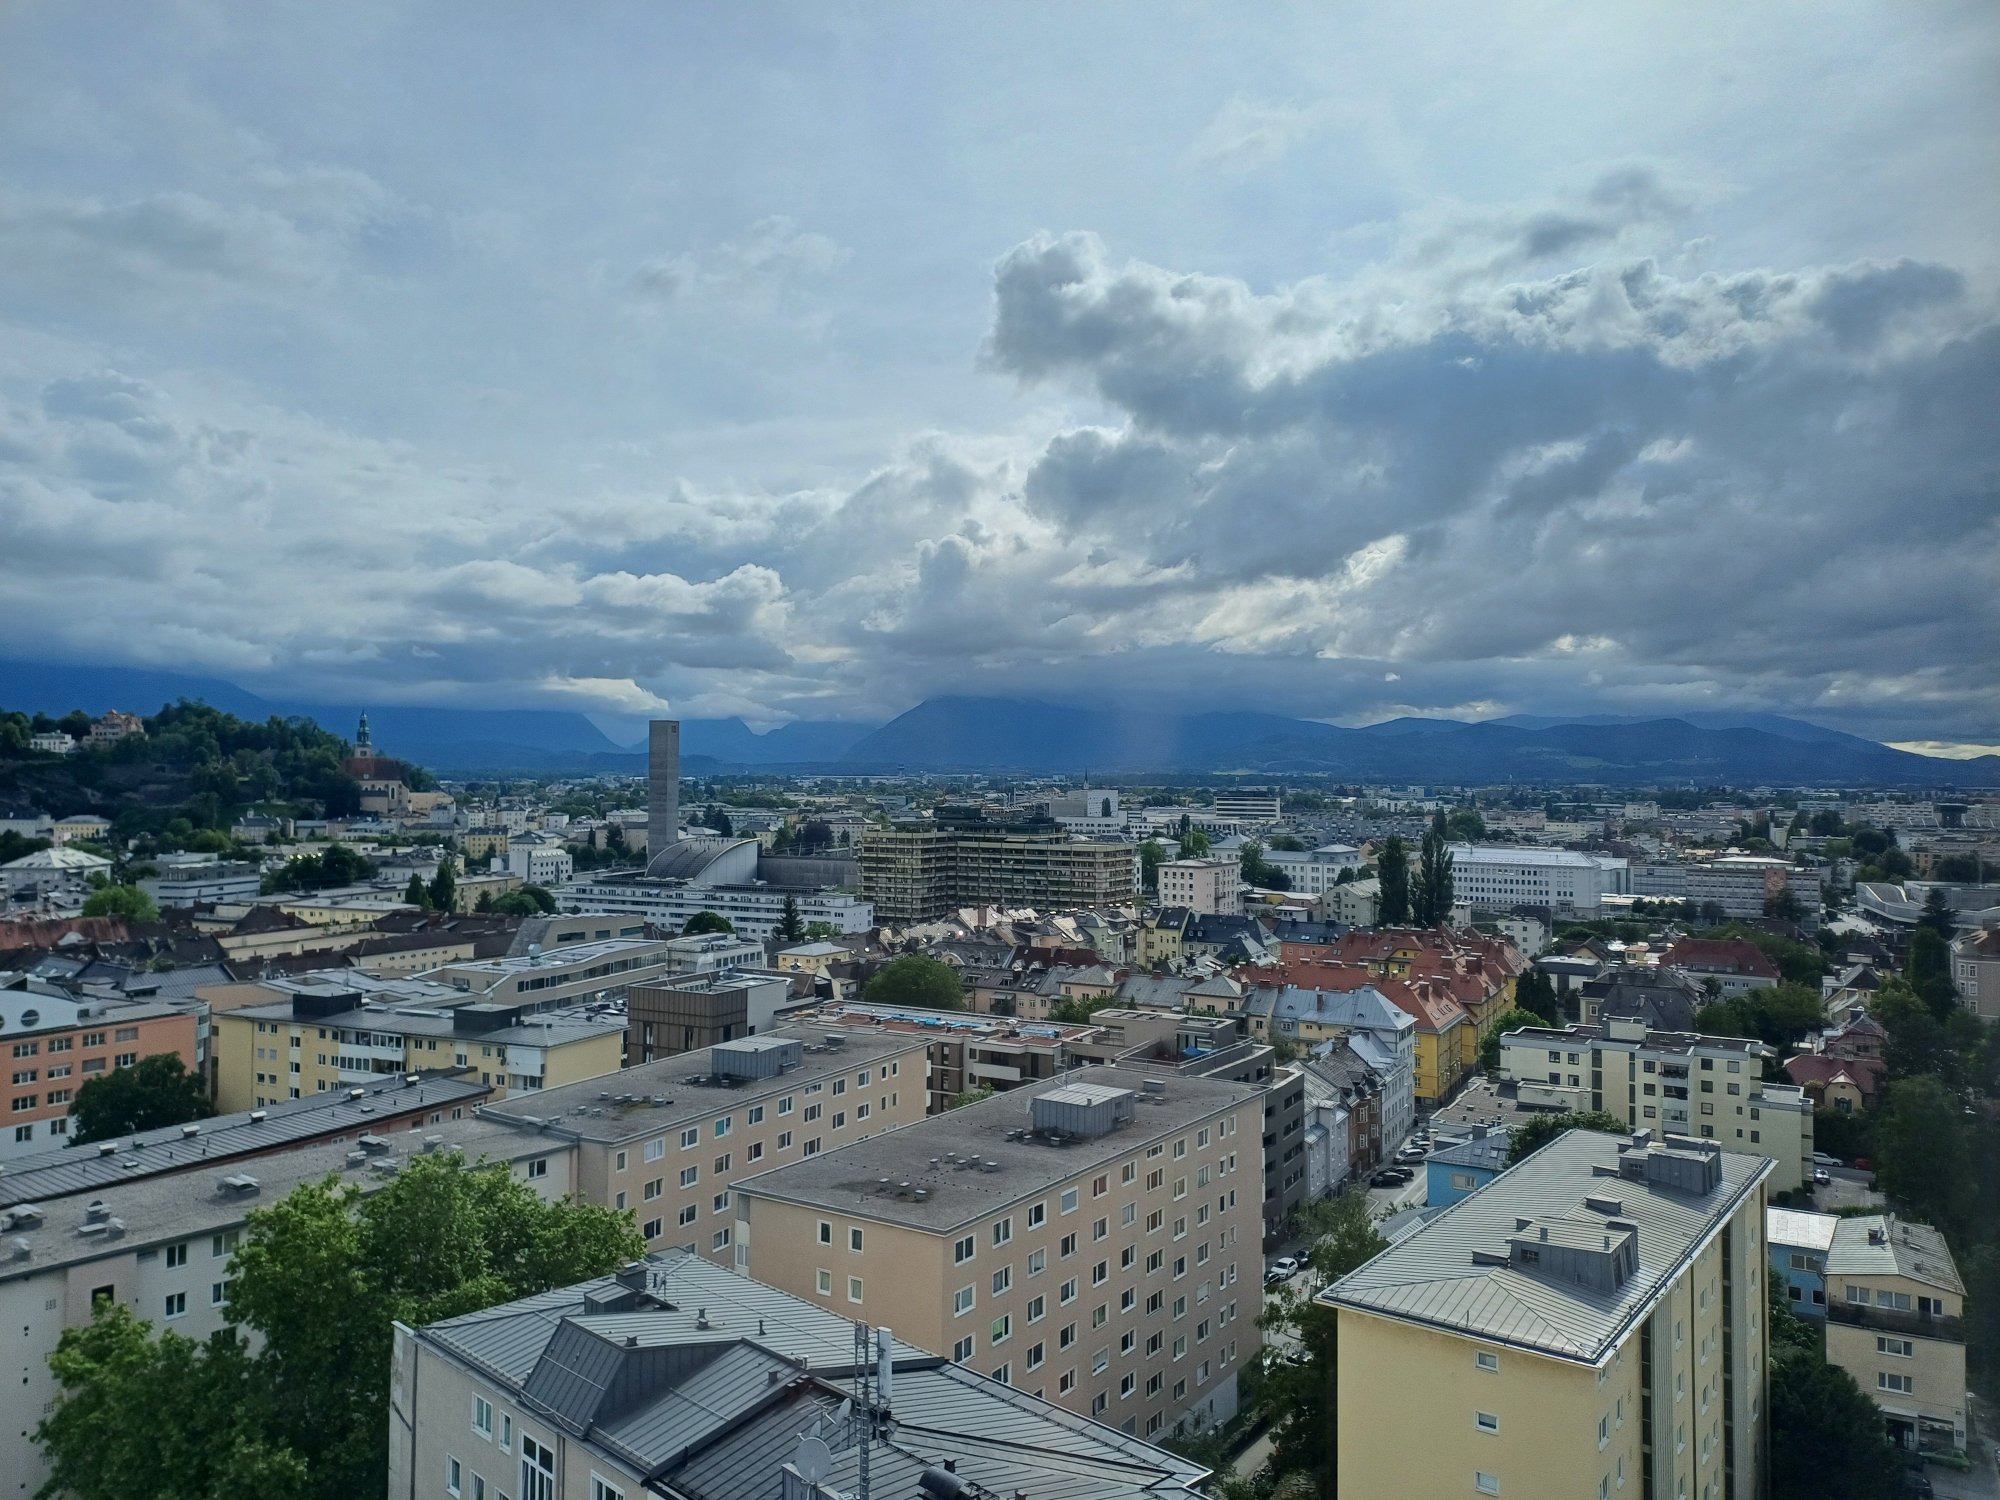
{"x":64,"y":1043}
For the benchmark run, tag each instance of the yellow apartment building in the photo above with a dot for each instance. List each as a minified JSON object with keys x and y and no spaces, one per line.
{"x":320,"y":1032}
{"x":670,"y":1139}
{"x":1895,"y":1321}
{"x":1590,"y":1323}
{"x":1091,"y":1239}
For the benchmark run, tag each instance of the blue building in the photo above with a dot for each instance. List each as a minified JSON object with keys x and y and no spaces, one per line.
{"x":1451,"y":1172}
{"x":1799,"y":1243}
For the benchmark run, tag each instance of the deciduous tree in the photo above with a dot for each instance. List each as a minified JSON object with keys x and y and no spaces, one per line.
{"x":155,"y":1091}
{"x":916,"y":979}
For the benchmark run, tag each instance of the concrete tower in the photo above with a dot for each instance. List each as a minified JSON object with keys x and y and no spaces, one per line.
{"x":663,"y":789}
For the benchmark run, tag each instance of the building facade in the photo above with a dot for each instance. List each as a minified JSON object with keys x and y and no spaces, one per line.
{"x":1558,"y":879}
{"x":919,"y":872}
{"x":1207,"y":887}
{"x":1589,"y":1323}
{"x":1895,"y":1321}
{"x":53,"y":1043}
{"x":1098,"y":1248}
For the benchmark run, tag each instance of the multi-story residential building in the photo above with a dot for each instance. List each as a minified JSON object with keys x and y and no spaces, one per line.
{"x":1975,"y":970}
{"x":1207,"y":887}
{"x":1676,"y":1081}
{"x":918,"y":872}
{"x":1382,"y":1032}
{"x":1744,"y":885}
{"x":1097,"y":1248}
{"x":563,"y":976}
{"x":1358,"y":903}
{"x":53,"y":1043}
{"x":186,"y":880}
{"x":52,"y":742}
{"x":693,"y":1011}
{"x":489,"y":841}
{"x":708,"y":1386}
{"x":1592,"y":1322}
{"x":162,"y":1246}
{"x":970,"y":1051}
{"x":670,"y":1139}
{"x":1800,"y":1243}
{"x":1733,"y":965}
{"x":1559,"y":879}
{"x":541,"y":861}
{"x":80,"y":827}
{"x":1314,"y":872}
{"x":1461,"y":1167}
{"x":332,"y":1029}
{"x":1344,"y":1100}
{"x":1664,"y":999}
{"x":1895,"y":1321}
{"x":1162,"y":937}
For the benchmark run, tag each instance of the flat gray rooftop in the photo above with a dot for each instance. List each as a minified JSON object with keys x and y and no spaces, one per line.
{"x":591,"y":1111}
{"x":84,"y":1169}
{"x":163,"y":1209}
{"x":545,"y":1029}
{"x":1433,"y":1278}
{"x":849,"y":1179}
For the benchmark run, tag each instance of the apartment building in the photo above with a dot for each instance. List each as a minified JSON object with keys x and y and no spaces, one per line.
{"x":670,"y":1139}
{"x":969,"y":1051}
{"x":1975,"y":969}
{"x":1591,"y":1322}
{"x":706,"y":1386}
{"x":918,"y":872}
{"x":1677,"y":1081}
{"x":1314,"y":872}
{"x":754,"y":910}
{"x":1895,"y":1321}
{"x":1207,"y":887}
{"x":331,"y":1030}
{"x":1095,"y":1243}
{"x":161,"y":1244}
{"x":54,"y":1043}
{"x":1799,"y":1243}
{"x":693,"y":1011}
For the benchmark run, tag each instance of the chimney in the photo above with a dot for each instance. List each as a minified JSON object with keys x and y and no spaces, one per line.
{"x":663,"y":788}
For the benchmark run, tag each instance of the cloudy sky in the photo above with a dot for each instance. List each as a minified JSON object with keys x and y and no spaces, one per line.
{"x":1345,"y":359}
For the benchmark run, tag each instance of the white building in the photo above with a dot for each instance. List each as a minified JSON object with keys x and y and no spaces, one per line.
{"x":1212,"y":887}
{"x":1252,"y":808}
{"x":1492,"y":875}
{"x":544,"y":863}
{"x":55,"y":742}
{"x":1314,"y":872}
{"x":753,"y":910}
{"x":1089,"y":813}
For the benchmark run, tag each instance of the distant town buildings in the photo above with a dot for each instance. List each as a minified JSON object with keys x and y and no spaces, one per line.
{"x":1560,"y":879}
{"x":1207,"y":887}
{"x":918,"y":872}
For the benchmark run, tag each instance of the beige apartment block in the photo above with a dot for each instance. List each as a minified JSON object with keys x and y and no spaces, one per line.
{"x":670,"y":1139}
{"x":1212,"y":887}
{"x":1895,"y":1321}
{"x":1667,"y":1081}
{"x":1092,"y":1240}
{"x":1590,"y":1323}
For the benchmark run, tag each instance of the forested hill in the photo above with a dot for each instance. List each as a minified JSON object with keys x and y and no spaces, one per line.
{"x":195,"y":765}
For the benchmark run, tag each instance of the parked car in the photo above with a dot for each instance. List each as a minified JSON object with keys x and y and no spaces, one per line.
{"x":1285,"y":1265}
{"x":1821,"y":1177}
{"x":1821,"y":1159}
{"x":1389,"y":1177}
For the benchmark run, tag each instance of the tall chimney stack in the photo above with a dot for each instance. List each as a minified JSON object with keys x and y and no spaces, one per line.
{"x":663,"y":788}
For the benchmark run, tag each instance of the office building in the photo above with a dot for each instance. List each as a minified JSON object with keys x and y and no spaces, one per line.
{"x":1895,"y":1321}
{"x":694,"y":1011}
{"x":1590,"y":1323}
{"x":676,"y":1378}
{"x":670,"y":1139}
{"x":1314,"y":872}
{"x":327,"y":1031}
{"x":1742,"y":885}
{"x":919,"y":872}
{"x":1094,"y":1242}
{"x":1207,"y":887}
{"x":1676,"y":1081}
{"x":553,"y":979}
{"x":1251,"y":808}
{"x":1559,"y":879}
{"x":161,"y":1245}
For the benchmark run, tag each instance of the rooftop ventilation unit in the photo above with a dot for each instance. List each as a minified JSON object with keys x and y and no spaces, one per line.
{"x":22,"y":1216}
{"x":257,"y":1114}
{"x":357,"y":1159}
{"x":374,"y":1145}
{"x":96,"y":1211}
{"x":754,"y":1057}
{"x":240,"y":1184}
{"x":109,"y":1148}
{"x":188,"y":1131}
{"x":21,"y":1248}
{"x":357,"y":1093}
{"x":384,"y":1166}
{"x":1082,"y":1109}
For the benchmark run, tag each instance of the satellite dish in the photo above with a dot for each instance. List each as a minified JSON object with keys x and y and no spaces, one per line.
{"x":840,"y":1417}
{"x":813,"y":1460}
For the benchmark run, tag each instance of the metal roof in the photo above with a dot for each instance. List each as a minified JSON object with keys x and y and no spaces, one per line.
{"x":1792,"y":1227}
{"x":705,"y":1381}
{"x":1433,"y":1278}
{"x":83,"y":1169}
{"x":1915,"y":1251}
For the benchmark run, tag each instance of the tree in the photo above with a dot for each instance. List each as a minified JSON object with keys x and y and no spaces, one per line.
{"x":707,"y":921}
{"x":126,"y":901}
{"x":1930,"y":971}
{"x":1538,"y":1132}
{"x":324,"y":1272}
{"x":1465,"y":825}
{"x":1259,"y":871}
{"x":154,"y":1091}
{"x":1287,"y":842}
{"x":1828,"y":1441}
{"x":820,"y":932}
{"x":917,"y":980}
{"x":1783,"y":905}
{"x":1194,"y":843}
{"x":718,"y":820}
{"x":1151,"y":854}
{"x":791,"y":924}
{"x":525,"y":901}
{"x":1431,"y":891}
{"x":815,"y":837}
{"x":444,"y":885}
{"x":1535,"y":992}
{"x":969,"y":1096}
{"x":1937,"y":917}
{"x":1923,"y":1160}
{"x":416,"y":893}
{"x":165,"y":1417}
{"x":1513,"y":1020}
{"x":1393,"y":869}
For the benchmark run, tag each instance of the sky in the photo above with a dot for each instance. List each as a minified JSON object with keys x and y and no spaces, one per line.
{"x":1344,"y":360}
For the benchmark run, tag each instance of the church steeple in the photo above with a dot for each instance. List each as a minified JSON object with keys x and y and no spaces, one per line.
{"x":362,"y":744}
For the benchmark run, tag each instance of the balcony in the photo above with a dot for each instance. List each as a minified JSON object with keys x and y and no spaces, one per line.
{"x":1889,"y":1320}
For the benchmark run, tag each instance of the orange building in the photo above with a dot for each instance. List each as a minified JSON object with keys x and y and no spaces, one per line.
{"x":54,"y":1043}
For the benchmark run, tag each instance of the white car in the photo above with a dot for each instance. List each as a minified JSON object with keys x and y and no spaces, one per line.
{"x":1821,"y":1159}
{"x":1284,"y":1267}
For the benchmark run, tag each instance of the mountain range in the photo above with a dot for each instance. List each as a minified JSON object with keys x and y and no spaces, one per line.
{"x":949,"y":734}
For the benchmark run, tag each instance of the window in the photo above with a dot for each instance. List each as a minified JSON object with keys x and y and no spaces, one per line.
{"x":1003,"y":1329}
{"x":506,"y":1433}
{"x":1037,"y":1262}
{"x":1003,"y":1230}
{"x":720,"y":1241}
{"x":962,"y":1301}
{"x":177,"y":1255}
{"x":218,"y":1293}
{"x":690,"y":1176}
{"x":619,"y":1164}
{"x":539,"y":1167}
{"x":690,"y":1137}
{"x":825,"y":1232}
{"x":1038,"y":1215}
{"x":722,"y":1126}
{"x":1003,"y":1279}
{"x":1037,"y":1307}
{"x":538,"y":1470}
{"x":963,"y":1251}
{"x":688,"y":1214}
{"x":1903,"y":1385}
{"x":854,"y":1289}
{"x":1069,"y":1200}
{"x":1485,"y":1421}
{"x":962,"y":1350}
{"x":482,"y":1417}
{"x":823,"y":1283}
{"x":854,"y":1240}
{"x":177,"y":1304}
{"x":454,"y":1476}
{"x":655,"y":1150}
{"x":603,"y":1489}
{"x":1485,"y":1483}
